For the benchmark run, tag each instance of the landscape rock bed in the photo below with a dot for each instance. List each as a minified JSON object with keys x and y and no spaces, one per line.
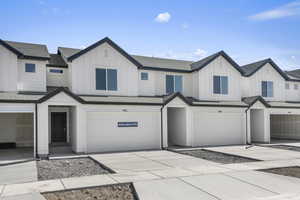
{"x":285,"y":147}
{"x":123,"y":191}
{"x":293,"y":171}
{"x":218,"y":157}
{"x":73,"y":167}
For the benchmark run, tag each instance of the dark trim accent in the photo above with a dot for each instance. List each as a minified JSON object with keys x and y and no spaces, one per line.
{"x":111,"y":43}
{"x":36,"y":132}
{"x":58,"y":90}
{"x":213,"y":105}
{"x":121,"y":103}
{"x":258,"y":98}
{"x":165,"y":69}
{"x":34,"y":57}
{"x":57,"y":66}
{"x":16,"y":101}
{"x":273,"y":64}
{"x":292,"y":107}
{"x":173,"y":96}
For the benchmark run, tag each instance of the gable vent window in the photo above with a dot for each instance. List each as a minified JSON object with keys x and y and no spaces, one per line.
{"x":57,"y":71}
{"x":106,"y":79}
{"x":144,"y":76}
{"x":220,"y":85}
{"x":287,"y":86}
{"x":29,"y":67}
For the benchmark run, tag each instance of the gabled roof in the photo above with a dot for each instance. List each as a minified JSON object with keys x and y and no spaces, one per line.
{"x":27,"y":50}
{"x":67,"y":52}
{"x":252,"y":68}
{"x":57,"y":91}
{"x":165,"y":64}
{"x":172,"y":96}
{"x":111,"y":43}
{"x":205,"y":61}
{"x":57,"y":61}
{"x":294,"y":73}
{"x":252,"y":100}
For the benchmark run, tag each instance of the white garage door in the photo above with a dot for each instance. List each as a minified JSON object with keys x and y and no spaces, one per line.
{"x":213,"y":128}
{"x":285,"y":126}
{"x":107,"y":131}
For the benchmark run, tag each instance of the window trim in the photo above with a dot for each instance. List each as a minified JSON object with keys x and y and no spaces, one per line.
{"x":32,"y":64}
{"x":174,"y":83}
{"x":267,"y":84}
{"x":222,"y":90}
{"x":106,"y":79}
{"x":146,"y":74}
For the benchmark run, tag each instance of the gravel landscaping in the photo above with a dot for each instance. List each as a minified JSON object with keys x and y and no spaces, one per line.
{"x":124,"y":191}
{"x":216,"y":156}
{"x":285,"y":171}
{"x":285,"y":147}
{"x":65,"y":168}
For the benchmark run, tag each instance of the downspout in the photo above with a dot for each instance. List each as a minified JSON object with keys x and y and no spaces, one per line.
{"x":161,"y":128}
{"x":246,"y":111}
{"x":36,"y":132}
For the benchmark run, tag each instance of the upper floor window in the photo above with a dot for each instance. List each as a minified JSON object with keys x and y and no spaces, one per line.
{"x":106,"y":79}
{"x":29,"y":67}
{"x":144,"y":76}
{"x":296,"y":86}
{"x":58,"y":71}
{"x":287,"y":86}
{"x":267,"y":88}
{"x":220,"y":85}
{"x":173,"y":83}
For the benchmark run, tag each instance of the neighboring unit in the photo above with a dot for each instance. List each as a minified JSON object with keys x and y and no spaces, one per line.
{"x":102,"y":99}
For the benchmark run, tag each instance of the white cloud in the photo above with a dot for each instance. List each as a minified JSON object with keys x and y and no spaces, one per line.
{"x":200,"y":53}
{"x":163,"y":17}
{"x":185,"y":26}
{"x":287,"y":10}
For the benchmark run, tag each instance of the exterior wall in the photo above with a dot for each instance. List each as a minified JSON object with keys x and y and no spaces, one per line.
{"x":57,"y":79}
{"x":209,"y":122}
{"x":257,"y":125}
{"x":160,"y":82}
{"x":103,"y":56}
{"x":292,"y":94}
{"x":28,"y":81}
{"x":266,"y":73}
{"x":104,"y":135}
{"x":222,"y":67}
{"x":147,"y":87}
{"x":8,"y":70}
{"x":177,"y":134}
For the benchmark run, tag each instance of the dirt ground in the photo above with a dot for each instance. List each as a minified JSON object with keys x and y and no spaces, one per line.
{"x":216,"y":156}
{"x":113,"y":192}
{"x":64,"y":168}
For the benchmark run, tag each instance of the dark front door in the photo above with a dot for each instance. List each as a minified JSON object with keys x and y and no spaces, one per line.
{"x":58,"y":127}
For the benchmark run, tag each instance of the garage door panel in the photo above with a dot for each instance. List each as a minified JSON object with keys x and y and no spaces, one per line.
{"x":285,"y":126}
{"x":219,"y":128}
{"x":105,"y":135}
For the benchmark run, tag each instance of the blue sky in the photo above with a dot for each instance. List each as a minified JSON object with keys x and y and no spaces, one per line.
{"x":248,"y":30}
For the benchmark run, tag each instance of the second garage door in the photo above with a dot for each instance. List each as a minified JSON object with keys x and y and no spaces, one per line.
{"x":214,"y":128}
{"x":122,"y":131}
{"x":285,"y":127}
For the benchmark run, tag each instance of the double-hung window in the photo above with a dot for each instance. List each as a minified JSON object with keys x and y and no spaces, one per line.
{"x":106,"y":79}
{"x":267,"y":88}
{"x":220,"y":85}
{"x":173,"y":83}
{"x":29,"y":67}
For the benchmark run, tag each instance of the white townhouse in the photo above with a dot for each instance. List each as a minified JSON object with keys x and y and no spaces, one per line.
{"x":102,"y":99}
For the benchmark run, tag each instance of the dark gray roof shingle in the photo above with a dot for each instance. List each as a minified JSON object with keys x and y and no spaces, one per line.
{"x":294,"y":73}
{"x":29,"y":49}
{"x":57,"y":61}
{"x":68,"y":52}
{"x":251,"y":68}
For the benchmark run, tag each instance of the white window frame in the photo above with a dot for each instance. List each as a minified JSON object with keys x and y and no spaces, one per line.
{"x":106,"y":79}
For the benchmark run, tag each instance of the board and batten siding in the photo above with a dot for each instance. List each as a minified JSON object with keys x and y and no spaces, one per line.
{"x":266,"y":73}
{"x":58,"y":79}
{"x":8,"y":70}
{"x":83,"y":72}
{"x":219,"y":67}
{"x":293,"y":93}
{"x":28,"y":81}
{"x":147,"y":87}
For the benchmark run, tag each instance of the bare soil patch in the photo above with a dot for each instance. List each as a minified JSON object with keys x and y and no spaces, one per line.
{"x":65,"y":168}
{"x":218,"y":157}
{"x":293,"y":171}
{"x":123,"y":191}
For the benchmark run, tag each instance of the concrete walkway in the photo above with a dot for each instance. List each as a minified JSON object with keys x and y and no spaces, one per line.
{"x":167,"y":175}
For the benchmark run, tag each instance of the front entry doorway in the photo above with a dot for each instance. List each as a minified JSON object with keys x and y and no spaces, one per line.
{"x":58,"y":127}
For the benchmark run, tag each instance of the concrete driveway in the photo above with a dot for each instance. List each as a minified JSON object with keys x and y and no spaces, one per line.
{"x":167,"y":175}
